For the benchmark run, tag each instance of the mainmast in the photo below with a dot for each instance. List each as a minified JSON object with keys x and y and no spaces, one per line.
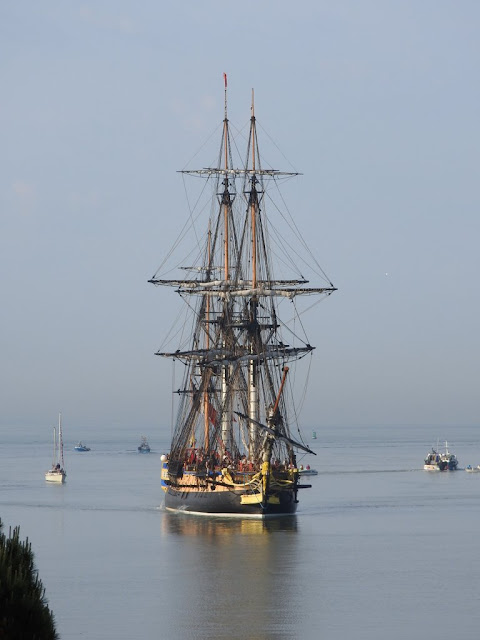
{"x":253,"y":395}
{"x":226,"y":203}
{"x":226,"y":198}
{"x":206,"y":400}
{"x":253,"y":198}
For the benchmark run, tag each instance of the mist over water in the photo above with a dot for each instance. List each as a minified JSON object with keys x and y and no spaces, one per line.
{"x":378,"y":546}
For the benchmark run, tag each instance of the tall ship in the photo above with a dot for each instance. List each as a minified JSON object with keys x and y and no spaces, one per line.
{"x":236,"y":437}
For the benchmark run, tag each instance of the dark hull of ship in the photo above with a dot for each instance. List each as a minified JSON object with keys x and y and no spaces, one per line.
{"x":442,"y":465}
{"x":227,"y":503}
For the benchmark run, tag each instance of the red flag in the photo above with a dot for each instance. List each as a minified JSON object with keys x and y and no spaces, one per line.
{"x":212,"y":414}
{"x":225,"y":79}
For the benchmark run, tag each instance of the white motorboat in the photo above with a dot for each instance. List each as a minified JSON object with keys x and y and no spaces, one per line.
{"x":307,"y":471}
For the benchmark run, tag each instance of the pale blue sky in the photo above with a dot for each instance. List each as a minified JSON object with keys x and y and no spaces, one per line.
{"x":375,"y":102}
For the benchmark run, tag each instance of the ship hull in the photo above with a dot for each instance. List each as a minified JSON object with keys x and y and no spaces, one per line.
{"x":227,"y":503}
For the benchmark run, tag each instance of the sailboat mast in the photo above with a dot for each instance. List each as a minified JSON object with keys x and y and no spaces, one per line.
{"x":60,"y":440}
{"x":54,"y":454}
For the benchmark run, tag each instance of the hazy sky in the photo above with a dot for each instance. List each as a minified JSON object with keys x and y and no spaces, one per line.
{"x":376,"y":102}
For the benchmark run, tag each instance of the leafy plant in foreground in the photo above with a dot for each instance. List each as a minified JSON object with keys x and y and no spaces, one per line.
{"x":24,"y":613}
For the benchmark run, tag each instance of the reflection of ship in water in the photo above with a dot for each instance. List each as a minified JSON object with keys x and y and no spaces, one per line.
{"x":184,"y":524}
{"x":240,"y":577}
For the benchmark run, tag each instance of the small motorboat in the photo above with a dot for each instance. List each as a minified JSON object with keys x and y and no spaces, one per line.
{"x":307,"y":471}
{"x":144,"y":447}
{"x":81,"y":447}
{"x":432,"y":462}
{"x":471,"y":469}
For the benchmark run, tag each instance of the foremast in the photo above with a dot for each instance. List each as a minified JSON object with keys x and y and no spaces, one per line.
{"x":226,"y":204}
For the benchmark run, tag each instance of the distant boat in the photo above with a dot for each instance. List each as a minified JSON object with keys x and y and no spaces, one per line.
{"x":144,"y":446}
{"x":307,"y":471}
{"x":437,"y":461}
{"x":471,"y":469}
{"x":57,"y":473}
{"x":314,"y":435}
{"x":81,"y":447}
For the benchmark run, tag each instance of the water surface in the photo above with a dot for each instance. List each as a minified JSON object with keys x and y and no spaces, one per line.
{"x":379,"y":548}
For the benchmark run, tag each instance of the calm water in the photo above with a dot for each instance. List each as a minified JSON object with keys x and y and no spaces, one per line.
{"x":379,"y":548}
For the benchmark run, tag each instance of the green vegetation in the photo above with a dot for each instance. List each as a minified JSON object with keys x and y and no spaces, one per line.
{"x":24,"y":613}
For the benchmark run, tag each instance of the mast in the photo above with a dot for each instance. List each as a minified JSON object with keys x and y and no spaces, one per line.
{"x":206,"y":403}
{"x":226,"y":413}
{"x":60,"y":441}
{"x":253,"y":200}
{"x":54,"y":454}
{"x":253,"y":396}
{"x":226,"y":199}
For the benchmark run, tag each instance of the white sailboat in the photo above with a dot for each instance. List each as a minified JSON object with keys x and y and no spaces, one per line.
{"x":57,"y":473}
